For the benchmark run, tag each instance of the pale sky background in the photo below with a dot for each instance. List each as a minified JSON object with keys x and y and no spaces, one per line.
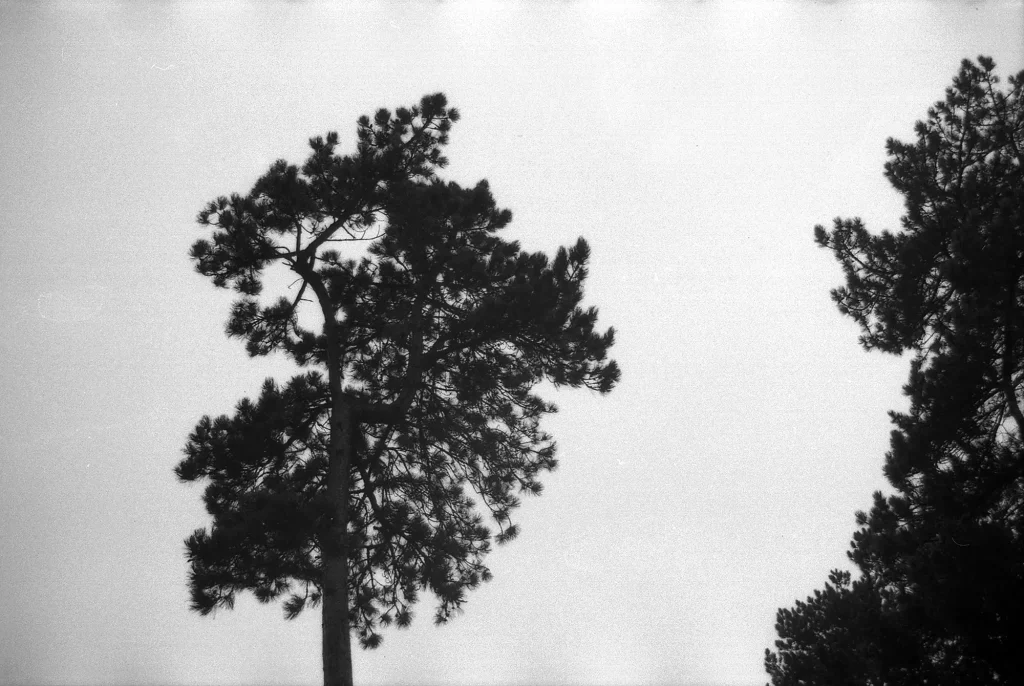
{"x":694,"y":144}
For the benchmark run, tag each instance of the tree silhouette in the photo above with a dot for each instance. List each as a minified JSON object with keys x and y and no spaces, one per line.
{"x":846,"y":635}
{"x":944,"y":555}
{"x":361,"y":482}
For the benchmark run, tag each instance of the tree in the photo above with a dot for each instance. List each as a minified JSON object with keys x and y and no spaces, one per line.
{"x":360,"y":482}
{"x":846,"y":635}
{"x":945,"y":552}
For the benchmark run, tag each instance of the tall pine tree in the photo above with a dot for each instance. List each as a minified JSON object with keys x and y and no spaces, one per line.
{"x":362,"y":482}
{"x":942,"y":559}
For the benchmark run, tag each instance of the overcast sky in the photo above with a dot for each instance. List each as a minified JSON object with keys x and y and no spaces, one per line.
{"x":694,"y":144}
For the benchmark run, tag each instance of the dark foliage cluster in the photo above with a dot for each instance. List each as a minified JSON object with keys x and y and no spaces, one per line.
{"x":940,"y":599}
{"x":438,"y":334}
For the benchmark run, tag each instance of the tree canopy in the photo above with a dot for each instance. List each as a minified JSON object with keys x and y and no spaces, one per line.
{"x":942,"y":558}
{"x":372,"y":476}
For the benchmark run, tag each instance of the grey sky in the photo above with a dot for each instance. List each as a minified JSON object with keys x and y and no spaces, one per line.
{"x":695,"y":145}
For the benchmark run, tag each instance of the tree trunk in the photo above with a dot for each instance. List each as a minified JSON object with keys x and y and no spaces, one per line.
{"x":337,"y":647}
{"x":1009,"y":343}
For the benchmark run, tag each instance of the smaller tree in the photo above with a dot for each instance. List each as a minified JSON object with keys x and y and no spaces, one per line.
{"x":361,"y":482}
{"x":846,"y":635}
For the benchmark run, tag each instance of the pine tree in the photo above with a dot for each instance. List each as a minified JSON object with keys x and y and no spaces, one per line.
{"x":945,"y":553}
{"x":847,"y":635}
{"x":362,"y":481}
